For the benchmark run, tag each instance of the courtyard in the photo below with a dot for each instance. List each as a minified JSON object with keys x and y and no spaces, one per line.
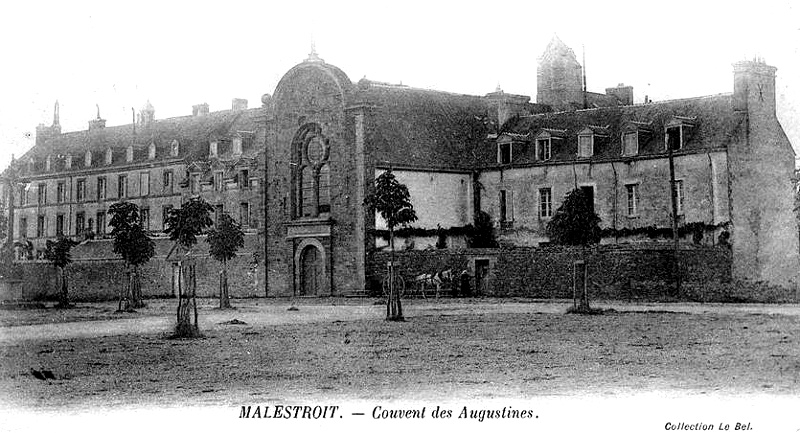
{"x":342,"y":349}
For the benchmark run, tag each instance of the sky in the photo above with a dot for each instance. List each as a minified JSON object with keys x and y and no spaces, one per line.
{"x":177,"y":54}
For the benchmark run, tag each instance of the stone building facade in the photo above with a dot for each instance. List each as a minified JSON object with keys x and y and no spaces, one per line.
{"x":295,"y":171}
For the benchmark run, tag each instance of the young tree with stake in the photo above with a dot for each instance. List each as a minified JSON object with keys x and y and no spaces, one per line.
{"x":58,"y":253}
{"x":183,"y":226}
{"x":575,"y":223}
{"x":223,"y":242}
{"x":136,"y":248}
{"x":392,"y":201}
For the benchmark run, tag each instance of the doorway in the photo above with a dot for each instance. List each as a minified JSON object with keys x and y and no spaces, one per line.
{"x":310,"y":271}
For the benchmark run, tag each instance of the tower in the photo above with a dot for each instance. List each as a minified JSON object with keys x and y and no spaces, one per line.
{"x":558,"y":76}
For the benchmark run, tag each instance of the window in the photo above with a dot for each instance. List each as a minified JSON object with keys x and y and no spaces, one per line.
{"x":23,"y":195}
{"x":674,"y":138}
{"x":503,"y":205}
{"x":60,"y":225}
{"x":87,"y":159}
{"x":633,"y":199}
{"x":174,"y":148}
{"x":122,"y":186}
{"x":80,"y":222}
{"x":144,"y":183}
{"x":545,"y":202}
{"x":585,"y":146}
{"x":244,"y":179}
{"x":244,"y":214}
{"x":588,"y":194}
{"x":237,"y":145}
{"x":679,"y":196}
{"x":218,"y":211}
{"x":218,"y":185}
{"x":194,"y":185}
{"x":109,"y":156}
{"x":144,"y":218}
{"x":101,"y":188}
{"x":164,"y":215}
{"x":543,"y":149}
{"x":504,"y":152}
{"x":80,"y":190}
{"x":630,"y":143}
{"x":42,"y":194}
{"x":23,"y":227}
{"x":40,"y":226}
{"x":167,"y":181}
{"x":61,"y":192}
{"x":129,"y":154}
{"x":101,"y":223}
{"x":151,"y":151}
{"x":212,"y":148}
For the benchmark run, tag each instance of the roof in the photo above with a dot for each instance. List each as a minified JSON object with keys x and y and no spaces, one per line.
{"x":193,"y":133}
{"x":716,"y":126}
{"x":424,"y":128}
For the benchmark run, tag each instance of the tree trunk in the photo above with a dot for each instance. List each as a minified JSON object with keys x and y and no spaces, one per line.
{"x":136,"y":289}
{"x":186,"y":327}
{"x":63,"y":300}
{"x":394,"y":311}
{"x":224,"y":299}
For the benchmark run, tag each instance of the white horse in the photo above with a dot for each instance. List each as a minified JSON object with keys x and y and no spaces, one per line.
{"x":435,"y":281}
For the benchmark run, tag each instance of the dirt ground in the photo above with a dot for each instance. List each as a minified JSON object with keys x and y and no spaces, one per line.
{"x":446,"y":350}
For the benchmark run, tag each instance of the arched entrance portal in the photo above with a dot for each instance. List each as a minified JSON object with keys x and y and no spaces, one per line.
{"x":311,"y":271}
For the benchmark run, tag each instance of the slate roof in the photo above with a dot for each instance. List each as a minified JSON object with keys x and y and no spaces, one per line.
{"x":716,"y":126}
{"x":193,"y":134}
{"x":424,"y":128}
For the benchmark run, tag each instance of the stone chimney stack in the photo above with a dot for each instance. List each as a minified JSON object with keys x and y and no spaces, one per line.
{"x":200,"y":110}
{"x":623,"y":93}
{"x":754,"y":86}
{"x":238,"y":104}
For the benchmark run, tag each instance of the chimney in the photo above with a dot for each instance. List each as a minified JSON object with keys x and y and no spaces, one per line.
{"x":44,"y":133}
{"x":623,"y":93}
{"x":507,"y":105}
{"x":239,"y":104}
{"x":200,"y":109}
{"x":754,"y":86}
{"x":97,"y":123}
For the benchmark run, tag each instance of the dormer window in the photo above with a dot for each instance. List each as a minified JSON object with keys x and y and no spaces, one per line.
{"x":174,"y":148}
{"x":129,"y":154}
{"x":585,"y":145}
{"x":47,"y":163}
{"x":587,"y":138}
{"x":630,"y":143}
{"x":676,"y":132}
{"x":109,"y":156}
{"x":212,"y":149}
{"x":237,"y":145}
{"x":543,"y":149}
{"x":151,"y":151}
{"x":545,"y":142}
{"x":31,"y":165}
{"x":504,"y":152}
{"x":68,"y":162}
{"x":87,"y":160}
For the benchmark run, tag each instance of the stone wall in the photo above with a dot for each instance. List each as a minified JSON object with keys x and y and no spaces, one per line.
{"x":615,"y":271}
{"x":100,"y":278}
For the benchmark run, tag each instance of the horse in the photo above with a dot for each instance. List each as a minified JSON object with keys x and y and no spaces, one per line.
{"x":436,"y":280}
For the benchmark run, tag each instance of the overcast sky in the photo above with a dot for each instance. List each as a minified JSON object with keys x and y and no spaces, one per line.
{"x":177,"y":55}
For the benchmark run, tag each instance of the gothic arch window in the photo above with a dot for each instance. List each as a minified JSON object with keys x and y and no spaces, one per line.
{"x":311,"y":172}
